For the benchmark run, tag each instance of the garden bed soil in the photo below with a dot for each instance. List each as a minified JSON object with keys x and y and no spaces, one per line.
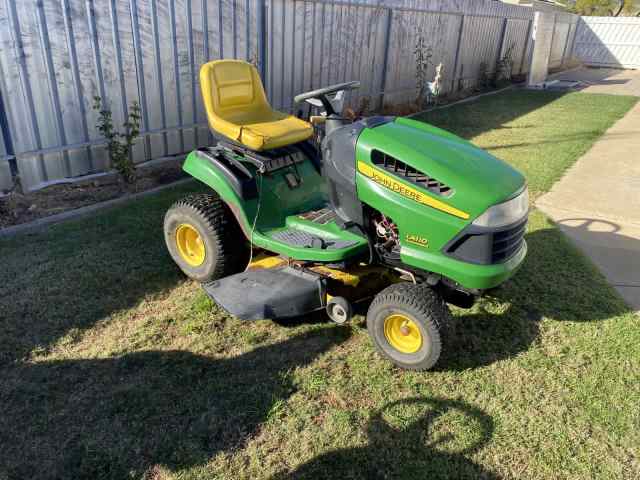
{"x":17,"y":208}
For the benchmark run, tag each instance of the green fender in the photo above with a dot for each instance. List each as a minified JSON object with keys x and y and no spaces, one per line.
{"x":198,"y":167}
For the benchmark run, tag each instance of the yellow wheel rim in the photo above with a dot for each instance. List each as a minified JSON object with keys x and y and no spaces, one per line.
{"x":190,"y":245}
{"x":402,"y":333}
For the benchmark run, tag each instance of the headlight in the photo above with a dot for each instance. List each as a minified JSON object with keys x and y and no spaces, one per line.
{"x":505,"y":213}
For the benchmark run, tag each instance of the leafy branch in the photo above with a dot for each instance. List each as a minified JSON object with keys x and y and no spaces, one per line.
{"x":120,"y":145}
{"x":422,"y":54}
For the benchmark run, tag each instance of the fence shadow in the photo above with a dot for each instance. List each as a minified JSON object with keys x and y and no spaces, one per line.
{"x":114,"y":418}
{"x":429,"y":445}
{"x":64,"y":279}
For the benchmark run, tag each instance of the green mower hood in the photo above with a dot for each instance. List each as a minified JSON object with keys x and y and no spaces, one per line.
{"x":433,"y":185}
{"x":477,"y":178}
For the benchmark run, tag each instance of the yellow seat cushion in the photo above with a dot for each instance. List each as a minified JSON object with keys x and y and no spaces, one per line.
{"x":237,"y":107}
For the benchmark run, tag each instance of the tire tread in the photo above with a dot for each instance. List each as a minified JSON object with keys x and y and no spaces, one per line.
{"x":221,"y":227}
{"x":423,"y":300}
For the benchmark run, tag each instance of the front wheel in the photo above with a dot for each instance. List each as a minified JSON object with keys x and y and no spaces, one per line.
{"x":406,"y":323}
{"x":204,"y":239}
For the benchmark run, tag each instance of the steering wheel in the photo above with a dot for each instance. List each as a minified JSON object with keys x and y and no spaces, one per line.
{"x":322,"y":94}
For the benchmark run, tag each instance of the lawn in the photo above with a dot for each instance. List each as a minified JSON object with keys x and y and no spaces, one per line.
{"x":540,"y":133}
{"x":112,"y":365}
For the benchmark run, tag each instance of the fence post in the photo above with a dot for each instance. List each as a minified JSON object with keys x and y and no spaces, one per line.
{"x":566,"y":44}
{"x":526,"y":47}
{"x":262,"y":39}
{"x":575,"y":37}
{"x":457,"y":55}
{"x":553,"y":35}
{"x":8,"y":142}
{"x":385,"y":57}
{"x":503,"y":33}
{"x":542,"y":36}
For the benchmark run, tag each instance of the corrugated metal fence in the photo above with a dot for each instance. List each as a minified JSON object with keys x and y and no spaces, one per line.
{"x":56,"y":55}
{"x":609,"y":42}
{"x":564,"y":36}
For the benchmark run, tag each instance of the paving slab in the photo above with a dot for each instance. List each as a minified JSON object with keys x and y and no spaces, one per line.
{"x":611,"y":81}
{"x":597,"y":202}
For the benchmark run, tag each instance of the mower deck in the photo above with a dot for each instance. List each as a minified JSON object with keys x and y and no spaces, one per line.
{"x":282,"y":289}
{"x":279,"y":292}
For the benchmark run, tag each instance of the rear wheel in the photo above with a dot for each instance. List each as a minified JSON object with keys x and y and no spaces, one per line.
{"x":406,"y":323}
{"x":204,"y":239}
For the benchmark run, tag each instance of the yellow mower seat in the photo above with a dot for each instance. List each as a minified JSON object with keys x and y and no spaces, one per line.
{"x":237,"y":107}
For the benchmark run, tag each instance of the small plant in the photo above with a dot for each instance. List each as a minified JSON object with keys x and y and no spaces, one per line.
{"x":504,"y":67}
{"x":364,"y":106}
{"x":253,"y":60}
{"x":120,"y":145}
{"x":422,"y":54}
{"x":484,"y":77}
{"x":434,"y":88}
{"x":501,"y":75}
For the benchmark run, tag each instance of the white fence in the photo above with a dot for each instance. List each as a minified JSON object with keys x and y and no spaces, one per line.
{"x":609,"y":42}
{"x":56,"y":55}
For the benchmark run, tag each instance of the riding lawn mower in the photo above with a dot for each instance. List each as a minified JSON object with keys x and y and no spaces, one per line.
{"x":326,"y":213}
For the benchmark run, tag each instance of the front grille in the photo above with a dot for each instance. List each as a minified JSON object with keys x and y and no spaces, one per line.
{"x":486,"y":247}
{"x":507,"y":243}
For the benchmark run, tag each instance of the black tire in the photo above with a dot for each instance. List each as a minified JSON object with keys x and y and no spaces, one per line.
{"x":339,"y":310}
{"x":225,"y":246}
{"x":425,"y":308}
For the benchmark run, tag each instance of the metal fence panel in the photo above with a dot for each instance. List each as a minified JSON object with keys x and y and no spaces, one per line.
{"x":609,"y":42}
{"x":439,"y":32}
{"x":468,"y":7}
{"x":5,"y":170}
{"x":516,"y":41}
{"x":57,"y":55}
{"x":312,"y":44}
{"x":479,"y":49}
{"x":568,"y":48}
{"x":560,"y":34}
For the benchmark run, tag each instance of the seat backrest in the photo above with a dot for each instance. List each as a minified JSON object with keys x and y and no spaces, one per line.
{"x":231,"y":87}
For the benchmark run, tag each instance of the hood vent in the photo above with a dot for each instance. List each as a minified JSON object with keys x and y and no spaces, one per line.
{"x":407,"y":172}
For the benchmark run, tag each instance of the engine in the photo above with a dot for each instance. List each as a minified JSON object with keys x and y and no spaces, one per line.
{"x":387,"y":243}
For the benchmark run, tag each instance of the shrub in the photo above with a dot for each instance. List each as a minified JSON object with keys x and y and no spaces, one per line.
{"x":120,"y":145}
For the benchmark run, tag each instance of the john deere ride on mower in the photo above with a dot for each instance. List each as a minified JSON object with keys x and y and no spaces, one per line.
{"x":383,"y":207}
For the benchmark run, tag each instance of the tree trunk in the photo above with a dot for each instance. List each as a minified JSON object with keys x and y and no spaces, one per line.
{"x":620,"y":7}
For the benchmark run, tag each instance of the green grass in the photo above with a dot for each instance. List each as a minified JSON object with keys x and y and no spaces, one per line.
{"x":112,"y":365}
{"x":540,"y":133}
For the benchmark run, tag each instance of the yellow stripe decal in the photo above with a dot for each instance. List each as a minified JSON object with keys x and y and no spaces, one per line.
{"x":414,"y":194}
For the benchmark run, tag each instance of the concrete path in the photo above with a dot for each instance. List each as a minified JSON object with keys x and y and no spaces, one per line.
{"x":597,"y":202}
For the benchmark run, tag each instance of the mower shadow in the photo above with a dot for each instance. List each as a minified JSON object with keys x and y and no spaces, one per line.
{"x":117,"y":417}
{"x":422,"y":449}
{"x":550,"y":285}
